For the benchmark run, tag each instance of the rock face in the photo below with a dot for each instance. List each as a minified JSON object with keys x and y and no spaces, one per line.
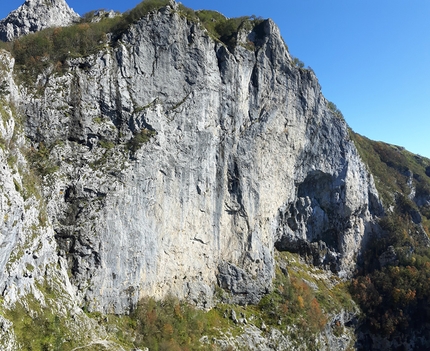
{"x":35,"y":15}
{"x":181,"y":165}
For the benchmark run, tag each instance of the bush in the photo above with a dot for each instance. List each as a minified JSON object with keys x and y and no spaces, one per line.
{"x":171,"y":325}
{"x":333,"y":108}
{"x":226,"y":29}
{"x":143,"y":9}
{"x":298,"y":63}
{"x":132,"y":16}
{"x":139,"y":139}
{"x":293,"y":302}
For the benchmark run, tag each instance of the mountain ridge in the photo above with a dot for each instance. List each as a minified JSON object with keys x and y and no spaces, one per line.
{"x":176,"y":160}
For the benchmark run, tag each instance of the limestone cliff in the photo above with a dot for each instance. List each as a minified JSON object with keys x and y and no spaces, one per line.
{"x":244,"y":157}
{"x":176,"y":165}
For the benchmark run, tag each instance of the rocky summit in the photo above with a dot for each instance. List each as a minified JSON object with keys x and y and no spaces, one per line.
{"x":169,"y":163}
{"x":35,"y":15}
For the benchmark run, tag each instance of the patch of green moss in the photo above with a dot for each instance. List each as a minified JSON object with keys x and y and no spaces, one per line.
{"x":15,"y":255}
{"x":4,"y":114}
{"x":31,"y":185}
{"x":5,"y":46}
{"x":17,"y":185}
{"x":98,"y":120}
{"x":2,"y":143}
{"x":110,"y":151}
{"x":138,"y":109}
{"x":179,"y":103}
{"x":40,"y":161}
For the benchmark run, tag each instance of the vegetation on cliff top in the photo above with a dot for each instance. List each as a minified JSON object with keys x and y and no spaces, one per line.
{"x":54,"y":47}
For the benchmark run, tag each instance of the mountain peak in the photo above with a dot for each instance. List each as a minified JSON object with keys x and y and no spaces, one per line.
{"x":35,"y":15}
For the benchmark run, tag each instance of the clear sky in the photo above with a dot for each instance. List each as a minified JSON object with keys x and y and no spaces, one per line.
{"x":372,"y":57}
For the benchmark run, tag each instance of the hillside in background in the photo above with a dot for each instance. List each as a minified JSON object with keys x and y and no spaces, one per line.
{"x":391,"y":285}
{"x":175,"y":180}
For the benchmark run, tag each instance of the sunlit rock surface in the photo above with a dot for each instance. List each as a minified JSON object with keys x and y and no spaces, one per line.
{"x":173,"y":165}
{"x":35,"y":15}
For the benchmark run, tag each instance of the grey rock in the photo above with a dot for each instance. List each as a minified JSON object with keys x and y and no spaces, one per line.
{"x":234,"y":317}
{"x":7,"y":337}
{"x":244,"y":157}
{"x":338,"y":335}
{"x":35,"y":15}
{"x":29,"y":263}
{"x":101,"y":14}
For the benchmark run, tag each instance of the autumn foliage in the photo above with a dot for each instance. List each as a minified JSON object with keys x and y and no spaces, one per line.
{"x":293,"y":302}
{"x":395,"y":298}
{"x":171,"y":325}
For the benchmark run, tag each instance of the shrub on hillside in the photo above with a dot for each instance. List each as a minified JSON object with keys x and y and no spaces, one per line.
{"x":172,"y":325}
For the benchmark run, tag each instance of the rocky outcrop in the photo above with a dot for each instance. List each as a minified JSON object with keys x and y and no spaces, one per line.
{"x":171,"y":164}
{"x":181,"y":164}
{"x":35,"y":15}
{"x":272,"y":339}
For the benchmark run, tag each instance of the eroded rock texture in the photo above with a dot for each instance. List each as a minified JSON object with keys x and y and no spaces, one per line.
{"x":182,"y":164}
{"x":35,"y":15}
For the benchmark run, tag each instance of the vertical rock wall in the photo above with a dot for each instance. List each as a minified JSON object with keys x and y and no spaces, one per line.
{"x":242,"y":156}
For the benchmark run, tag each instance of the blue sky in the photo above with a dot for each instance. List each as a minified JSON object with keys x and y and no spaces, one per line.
{"x":372,"y":57}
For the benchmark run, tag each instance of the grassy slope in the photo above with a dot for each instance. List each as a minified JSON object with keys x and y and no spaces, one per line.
{"x":397,"y":173}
